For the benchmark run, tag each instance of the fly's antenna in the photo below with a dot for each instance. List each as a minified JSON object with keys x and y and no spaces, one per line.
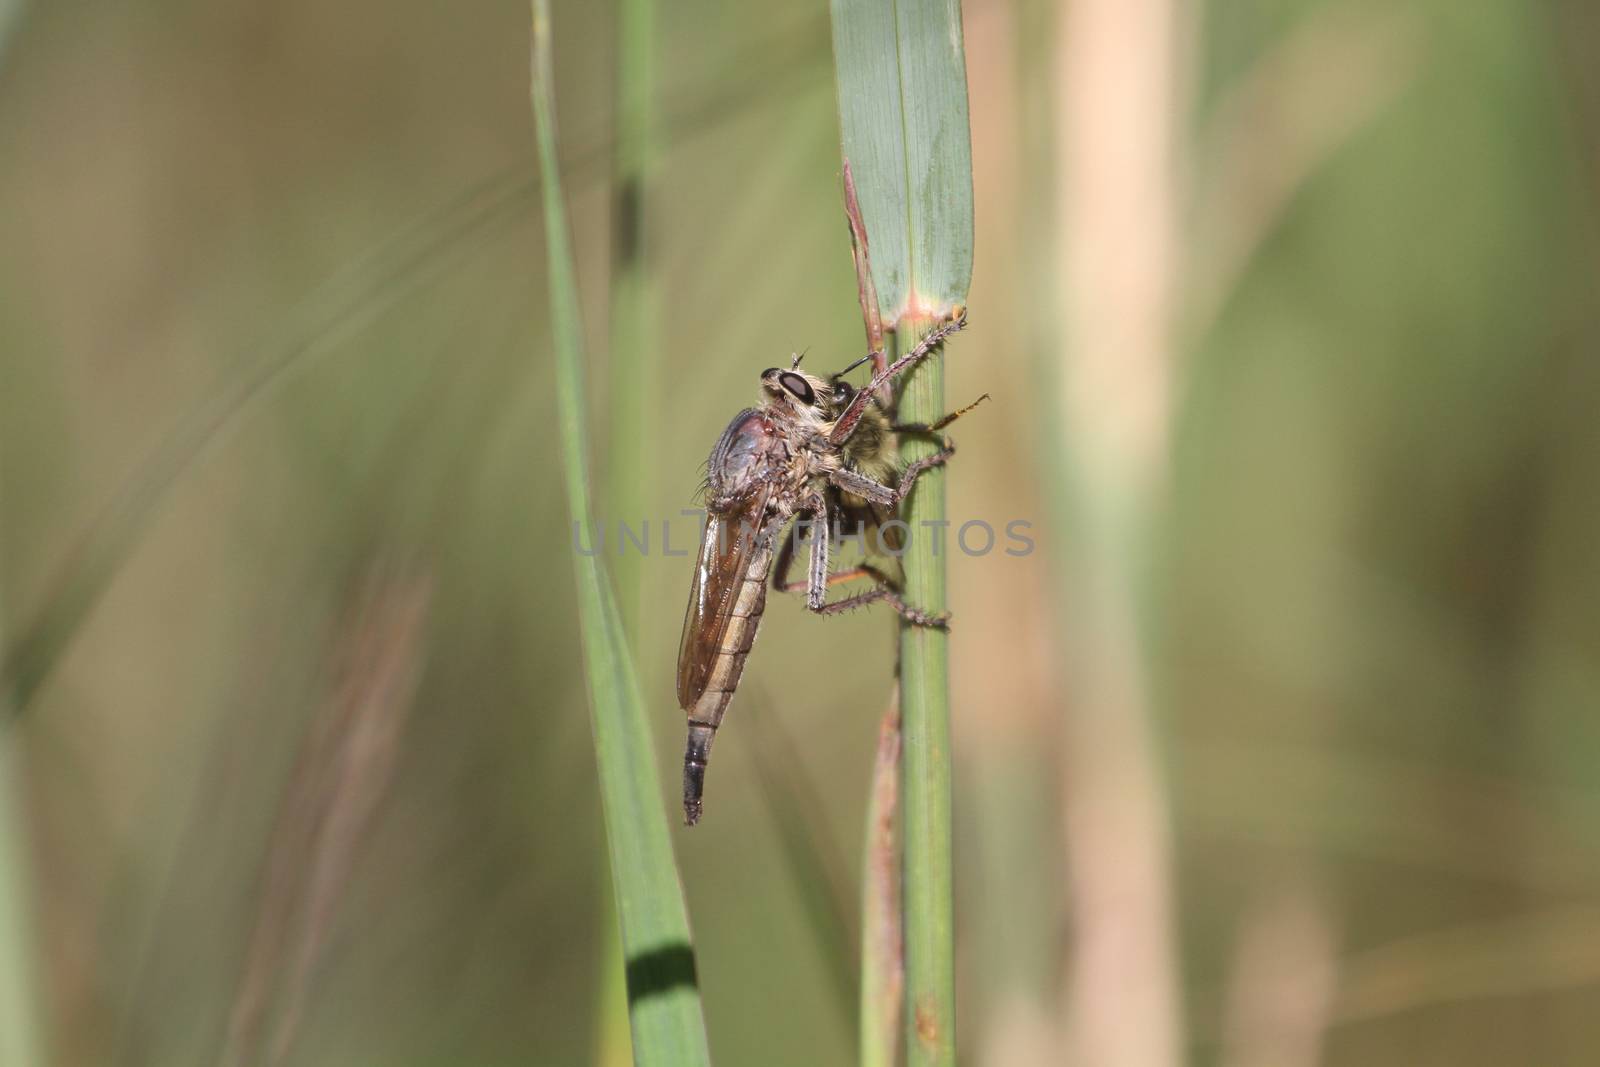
{"x":798,"y":356}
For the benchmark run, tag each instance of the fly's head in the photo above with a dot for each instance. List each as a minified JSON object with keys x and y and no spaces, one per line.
{"x":801,"y":401}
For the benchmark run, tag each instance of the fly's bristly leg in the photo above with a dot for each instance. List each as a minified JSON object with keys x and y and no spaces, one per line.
{"x":915,"y":616}
{"x":864,"y":487}
{"x":785,"y":563}
{"x":918,"y":467}
{"x":931,"y":340}
{"x":851,"y":417}
{"x":819,"y":579}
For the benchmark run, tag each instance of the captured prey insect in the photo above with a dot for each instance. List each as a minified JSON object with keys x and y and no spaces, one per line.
{"x":814,"y":447}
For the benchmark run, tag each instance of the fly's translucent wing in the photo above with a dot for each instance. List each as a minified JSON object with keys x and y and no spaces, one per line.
{"x":719,"y":571}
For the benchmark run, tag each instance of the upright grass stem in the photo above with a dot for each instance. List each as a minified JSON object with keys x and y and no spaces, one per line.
{"x":663,"y":995}
{"x":901,"y":73}
{"x":925,"y":763}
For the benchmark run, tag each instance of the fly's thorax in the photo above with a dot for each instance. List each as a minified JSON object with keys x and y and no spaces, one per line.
{"x":747,"y":454}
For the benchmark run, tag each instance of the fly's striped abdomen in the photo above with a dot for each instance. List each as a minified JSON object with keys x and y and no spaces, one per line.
{"x":743,"y":620}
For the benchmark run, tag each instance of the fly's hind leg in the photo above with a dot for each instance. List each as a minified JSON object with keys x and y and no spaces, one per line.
{"x":887,"y":594}
{"x":818,"y":579}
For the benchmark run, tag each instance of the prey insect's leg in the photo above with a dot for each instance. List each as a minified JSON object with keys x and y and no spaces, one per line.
{"x":933,"y":428}
{"x":851,"y":416}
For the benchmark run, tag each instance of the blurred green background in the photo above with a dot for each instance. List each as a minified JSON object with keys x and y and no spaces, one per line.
{"x":287,"y":254}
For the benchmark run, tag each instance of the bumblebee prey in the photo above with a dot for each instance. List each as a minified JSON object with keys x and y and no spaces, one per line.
{"x":813,"y":449}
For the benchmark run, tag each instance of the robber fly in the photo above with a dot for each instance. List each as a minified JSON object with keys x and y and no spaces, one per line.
{"x":814,"y":447}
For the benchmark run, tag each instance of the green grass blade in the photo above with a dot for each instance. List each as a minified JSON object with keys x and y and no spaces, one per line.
{"x":633,"y":296}
{"x":630,"y":373}
{"x":902,"y":79}
{"x":19,"y":1036}
{"x":19,"y":1018}
{"x":663,"y":996}
{"x":901,"y":74}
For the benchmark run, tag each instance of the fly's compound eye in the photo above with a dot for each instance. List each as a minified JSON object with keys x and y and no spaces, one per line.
{"x":798,"y":387}
{"x":842,"y":393}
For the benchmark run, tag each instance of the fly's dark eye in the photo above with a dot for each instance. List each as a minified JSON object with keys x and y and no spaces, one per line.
{"x":799,"y":387}
{"x":842,"y":393}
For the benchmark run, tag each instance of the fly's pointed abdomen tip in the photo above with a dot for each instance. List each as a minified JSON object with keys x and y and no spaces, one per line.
{"x":695,"y":755}
{"x":694,"y":780}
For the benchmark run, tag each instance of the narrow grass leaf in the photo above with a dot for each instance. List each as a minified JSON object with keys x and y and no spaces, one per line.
{"x":631,"y":378}
{"x":19,"y":1017}
{"x":902,"y":79}
{"x":20,"y":1042}
{"x":663,"y":995}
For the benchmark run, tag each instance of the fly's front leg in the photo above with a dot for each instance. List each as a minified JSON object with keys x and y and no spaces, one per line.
{"x":818,"y":579}
{"x":806,"y":518}
{"x":851,"y":416}
{"x":786,"y":559}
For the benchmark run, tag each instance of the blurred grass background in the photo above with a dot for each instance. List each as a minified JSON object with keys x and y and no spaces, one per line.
{"x":1375,"y":618}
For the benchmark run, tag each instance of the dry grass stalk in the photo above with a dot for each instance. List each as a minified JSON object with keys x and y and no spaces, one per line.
{"x":337,"y":786}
